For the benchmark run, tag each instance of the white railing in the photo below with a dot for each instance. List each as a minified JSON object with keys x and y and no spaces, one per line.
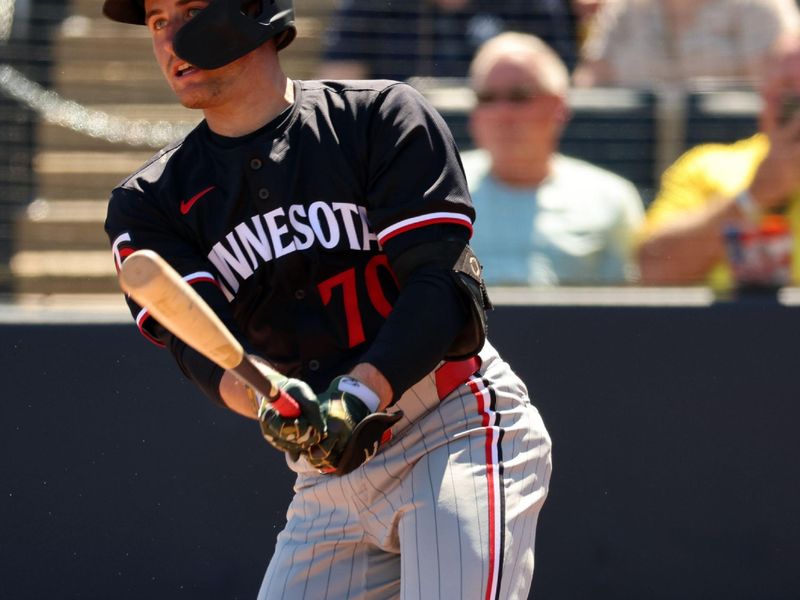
{"x":53,"y":108}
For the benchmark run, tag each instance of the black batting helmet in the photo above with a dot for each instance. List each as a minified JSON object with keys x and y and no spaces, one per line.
{"x":223,"y":31}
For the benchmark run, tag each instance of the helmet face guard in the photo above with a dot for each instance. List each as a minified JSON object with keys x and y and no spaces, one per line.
{"x":222,"y":32}
{"x":125,"y":11}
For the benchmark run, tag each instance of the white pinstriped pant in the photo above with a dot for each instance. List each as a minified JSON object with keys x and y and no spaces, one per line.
{"x":446,"y":510}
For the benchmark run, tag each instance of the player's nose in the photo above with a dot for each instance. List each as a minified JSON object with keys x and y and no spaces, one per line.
{"x":166,"y":36}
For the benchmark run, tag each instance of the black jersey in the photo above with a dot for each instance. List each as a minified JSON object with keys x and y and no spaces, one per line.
{"x":289,"y":232}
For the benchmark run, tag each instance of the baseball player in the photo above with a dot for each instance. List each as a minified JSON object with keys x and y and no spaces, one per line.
{"x":327,"y":223}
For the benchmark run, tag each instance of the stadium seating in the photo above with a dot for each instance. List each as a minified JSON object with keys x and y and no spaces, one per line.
{"x":57,"y":165}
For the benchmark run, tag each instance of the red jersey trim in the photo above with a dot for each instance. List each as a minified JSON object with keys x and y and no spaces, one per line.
{"x":494,"y":484}
{"x":423,"y":221}
{"x":144,"y":314}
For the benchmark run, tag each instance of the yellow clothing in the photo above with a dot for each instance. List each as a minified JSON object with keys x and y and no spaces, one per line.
{"x":709,"y":172}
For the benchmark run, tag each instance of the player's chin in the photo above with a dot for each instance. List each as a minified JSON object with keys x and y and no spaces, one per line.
{"x":192,"y":99}
{"x":195,"y":104}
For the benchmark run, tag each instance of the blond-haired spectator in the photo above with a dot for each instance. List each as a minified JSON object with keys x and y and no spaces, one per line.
{"x":542,"y":218}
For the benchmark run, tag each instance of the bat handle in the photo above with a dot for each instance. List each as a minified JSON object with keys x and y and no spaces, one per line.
{"x":283,"y":403}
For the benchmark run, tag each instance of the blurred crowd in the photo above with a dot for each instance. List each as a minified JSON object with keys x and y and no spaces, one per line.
{"x":722,"y":214}
{"x":642,"y":43}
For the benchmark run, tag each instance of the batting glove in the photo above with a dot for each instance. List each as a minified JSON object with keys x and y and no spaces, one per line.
{"x":292,"y":434}
{"x":353,"y":427}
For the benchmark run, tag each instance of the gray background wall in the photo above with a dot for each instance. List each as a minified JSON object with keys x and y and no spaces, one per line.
{"x":675,"y":449}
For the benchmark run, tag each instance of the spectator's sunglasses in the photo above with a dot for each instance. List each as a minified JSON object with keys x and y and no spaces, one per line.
{"x":515,"y":95}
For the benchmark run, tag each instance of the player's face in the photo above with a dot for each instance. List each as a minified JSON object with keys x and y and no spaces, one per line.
{"x":195,"y":88}
{"x":514,"y":117}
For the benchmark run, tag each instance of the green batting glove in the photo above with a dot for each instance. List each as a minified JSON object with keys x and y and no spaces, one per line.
{"x":353,"y":428}
{"x":292,"y":434}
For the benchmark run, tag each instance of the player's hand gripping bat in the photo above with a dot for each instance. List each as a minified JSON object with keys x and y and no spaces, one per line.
{"x":156,"y":286}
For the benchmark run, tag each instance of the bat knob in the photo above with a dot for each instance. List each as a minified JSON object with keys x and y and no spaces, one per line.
{"x":285,"y":405}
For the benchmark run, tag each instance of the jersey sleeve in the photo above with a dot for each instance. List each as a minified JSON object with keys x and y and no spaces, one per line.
{"x":418,"y":205}
{"x":416,"y":182}
{"x":135,"y":222}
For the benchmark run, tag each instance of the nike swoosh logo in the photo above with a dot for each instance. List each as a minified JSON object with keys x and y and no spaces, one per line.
{"x":186,"y":205}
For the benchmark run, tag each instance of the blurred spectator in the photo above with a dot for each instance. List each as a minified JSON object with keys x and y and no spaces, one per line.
{"x":542,"y":218}
{"x":434,"y":38}
{"x":642,"y":43}
{"x":716,"y":190}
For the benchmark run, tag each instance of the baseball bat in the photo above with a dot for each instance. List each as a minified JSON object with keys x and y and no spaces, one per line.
{"x":156,"y":286}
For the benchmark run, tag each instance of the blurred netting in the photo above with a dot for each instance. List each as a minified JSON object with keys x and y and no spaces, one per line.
{"x":720,"y":116}
{"x":15,"y":151}
{"x":83,"y":104}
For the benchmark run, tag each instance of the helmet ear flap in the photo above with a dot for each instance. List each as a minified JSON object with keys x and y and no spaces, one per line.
{"x":228,"y":29}
{"x":285,"y":38}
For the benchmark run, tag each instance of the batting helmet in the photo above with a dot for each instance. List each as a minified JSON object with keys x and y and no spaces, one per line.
{"x":223,"y":31}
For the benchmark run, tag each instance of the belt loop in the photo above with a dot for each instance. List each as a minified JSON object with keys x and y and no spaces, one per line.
{"x":452,"y":374}
{"x":448,"y":377}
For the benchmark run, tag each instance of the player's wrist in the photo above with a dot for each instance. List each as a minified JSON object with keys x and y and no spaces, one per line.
{"x":354,"y":387}
{"x":355,"y":426}
{"x":371,"y":377}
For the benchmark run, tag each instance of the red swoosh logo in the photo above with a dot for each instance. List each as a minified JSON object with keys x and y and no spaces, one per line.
{"x":186,"y":205}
